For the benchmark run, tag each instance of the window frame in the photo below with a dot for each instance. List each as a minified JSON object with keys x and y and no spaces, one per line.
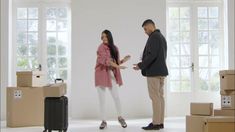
{"x":193,"y":4}
{"x":42,"y":40}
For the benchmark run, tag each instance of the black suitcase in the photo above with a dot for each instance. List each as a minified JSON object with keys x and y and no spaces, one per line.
{"x":56,"y":114}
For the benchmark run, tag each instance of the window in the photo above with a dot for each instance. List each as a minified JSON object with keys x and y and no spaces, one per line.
{"x":57,"y":42}
{"x":196,"y":44}
{"x":27,"y":38}
{"x":179,"y":39}
{"x":42,"y":37}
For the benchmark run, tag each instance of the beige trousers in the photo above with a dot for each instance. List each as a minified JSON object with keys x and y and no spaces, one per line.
{"x":156,"y":94}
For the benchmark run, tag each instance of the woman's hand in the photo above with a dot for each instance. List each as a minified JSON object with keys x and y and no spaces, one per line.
{"x":125,"y":59}
{"x":122,"y":67}
{"x":128,"y":57}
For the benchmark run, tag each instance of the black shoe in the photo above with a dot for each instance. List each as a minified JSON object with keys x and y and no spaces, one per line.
{"x":103,"y":125}
{"x":151,"y":127}
{"x":161,"y":126}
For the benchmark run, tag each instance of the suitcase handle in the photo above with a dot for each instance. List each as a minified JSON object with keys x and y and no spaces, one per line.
{"x":59,"y":79}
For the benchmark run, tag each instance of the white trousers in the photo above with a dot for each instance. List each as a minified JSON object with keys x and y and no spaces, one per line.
{"x":115,"y":95}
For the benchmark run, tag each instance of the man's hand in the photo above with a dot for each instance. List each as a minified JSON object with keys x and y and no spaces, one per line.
{"x":136,"y":67}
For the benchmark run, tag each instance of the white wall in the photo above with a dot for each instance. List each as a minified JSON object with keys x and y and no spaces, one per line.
{"x":124,"y":18}
{"x":4,"y":54}
{"x":231,"y":34}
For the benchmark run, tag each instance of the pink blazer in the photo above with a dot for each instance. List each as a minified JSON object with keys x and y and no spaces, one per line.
{"x":103,"y":69}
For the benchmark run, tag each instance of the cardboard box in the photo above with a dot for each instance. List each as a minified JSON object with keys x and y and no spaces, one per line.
{"x":195,"y":123}
{"x":219,"y":124}
{"x":227,"y":92}
{"x":227,"y":80}
{"x":25,"y":107}
{"x":31,"y":79}
{"x":55,"y":90}
{"x":205,"y":109}
{"x":220,"y":112}
{"x":228,"y":101}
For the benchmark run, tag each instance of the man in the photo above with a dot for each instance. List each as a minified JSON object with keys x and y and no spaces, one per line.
{"x":153,"y":66}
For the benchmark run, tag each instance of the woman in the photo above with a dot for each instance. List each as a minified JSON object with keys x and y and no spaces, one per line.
{"x":108,"y":75}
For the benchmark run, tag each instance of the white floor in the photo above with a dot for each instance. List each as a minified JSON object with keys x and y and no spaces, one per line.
{"x":171,"y":125}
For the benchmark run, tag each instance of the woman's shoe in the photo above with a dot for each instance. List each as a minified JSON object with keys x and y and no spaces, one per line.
{"x":122,"y":122}
{"x":103,"y":125}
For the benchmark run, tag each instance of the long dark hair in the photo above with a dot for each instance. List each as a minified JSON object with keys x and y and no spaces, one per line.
{"x":112,"y":48}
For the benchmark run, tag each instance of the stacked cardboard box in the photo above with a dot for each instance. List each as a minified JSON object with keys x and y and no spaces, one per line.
{"x":219,"y":124}
{"x":199,"y":112}
{"x":227,"y":89}
{"x":223,"y":120}
{"x":25,"y":103}
{"x":25,"y":106}
{"x":203,"y":120}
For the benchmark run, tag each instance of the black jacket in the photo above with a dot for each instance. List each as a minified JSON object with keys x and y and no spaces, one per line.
{"x":154,"y":56}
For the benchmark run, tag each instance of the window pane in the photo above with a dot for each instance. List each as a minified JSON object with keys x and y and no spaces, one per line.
{"x":203,"y":24}
{"x":51,"y":38}
{"x":174,"y":36}
{"x":62,"y":13}
{"x":51,"y":63}
{"x":21,"y":13}
{"x":203,"y":49}
{"x":175,"y":49}
{"x":62,"y":37}
{"x":185,"y":12}
{"x":51,"y":75}
{"x":62,"y":25}
{"x":21,"y":38}
{"x":203,"y":61}
{"x":22,"y":63}
{"x":33,"y":13}
{"x":51,"y":50}
{"x":185,"y":37}
{"x":203,"y":37}
{"x":33,"y":62}
{"x":215,"y":80}
{"x":175,"y":86}
{"x":21,"y":25}
{"x":33,"y":51}
{"x":214,"y":36}
{"x":185,"y":49}
{"x":215,"y":61}
{"x":202,"y":12}
{"x":51,"y":25}
{"x":184,"y":25}
{"x":63,"y":74}
{"x":185,"y":86}
{"x":185,"y":74}
{"x":174,"y":12}
{"x":174,"y":62}
{"x":213,"y":24}
{"x":213,"y":12}
{"x":175,"y":74}
{"x":32,"y":38}
{"x":62,"y":50}
{"x":174,"y":25}
{"x":62,"y":62}
{"x":203,"y":85}
{"x":51,"y":13}
{"x":22,"y":50}
{"x":32,"y":25}
{"x":204,"y":74}
{"x":214,"y":48}
{"x":185,"y":61}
